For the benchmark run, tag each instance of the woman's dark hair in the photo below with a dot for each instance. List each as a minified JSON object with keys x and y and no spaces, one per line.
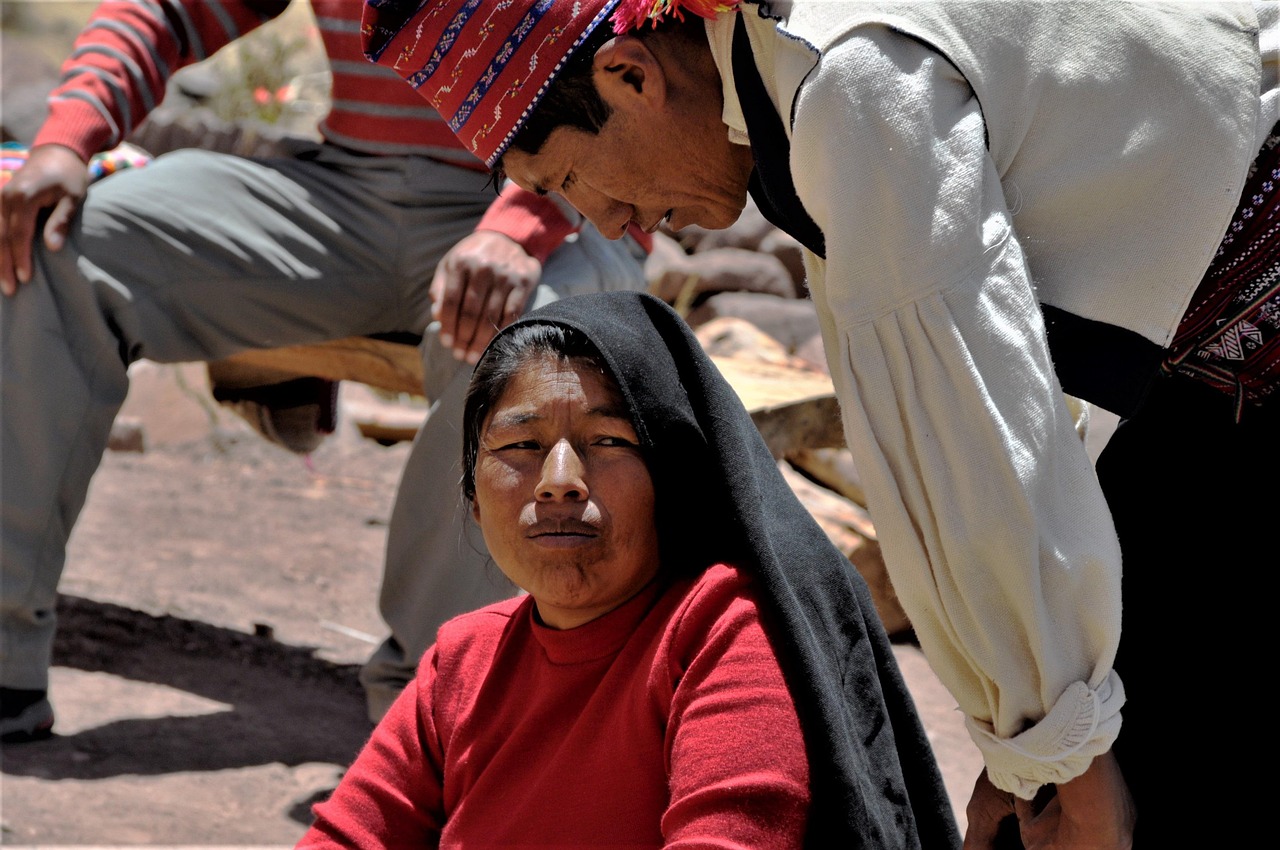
{"x":686,"y":483}
{"x":503,"y":359}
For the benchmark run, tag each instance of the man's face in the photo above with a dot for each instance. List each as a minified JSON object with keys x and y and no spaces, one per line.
{"x":645,"y":166}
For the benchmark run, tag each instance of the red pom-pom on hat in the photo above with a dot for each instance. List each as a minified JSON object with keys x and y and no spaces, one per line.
{"x":634,"y":14}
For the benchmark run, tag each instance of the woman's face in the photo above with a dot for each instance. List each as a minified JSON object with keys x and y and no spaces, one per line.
{"x":562,"y":493}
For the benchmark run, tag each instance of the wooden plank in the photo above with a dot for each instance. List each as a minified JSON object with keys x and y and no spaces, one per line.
{"x":765,"y":384}
{"x":394,"y":366}
{"x":794,"y":408}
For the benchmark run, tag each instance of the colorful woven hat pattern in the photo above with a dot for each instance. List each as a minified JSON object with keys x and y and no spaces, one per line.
{"x":482,"y":65}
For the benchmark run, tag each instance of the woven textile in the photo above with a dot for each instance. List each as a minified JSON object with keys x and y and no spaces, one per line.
{"x":1229,"y":337}
{"x":483,"y":66}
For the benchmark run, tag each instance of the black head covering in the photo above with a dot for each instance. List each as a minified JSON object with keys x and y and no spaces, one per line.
{"x":875,"y":783}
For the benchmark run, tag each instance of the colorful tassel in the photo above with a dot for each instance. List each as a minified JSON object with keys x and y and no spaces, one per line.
{"x":634,"y":14}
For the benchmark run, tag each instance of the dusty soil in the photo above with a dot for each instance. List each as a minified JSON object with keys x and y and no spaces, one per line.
{"x":219,"y":596}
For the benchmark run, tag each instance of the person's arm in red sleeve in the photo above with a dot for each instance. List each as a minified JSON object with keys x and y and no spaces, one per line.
{"x":738,"y":771}
{"x":393,"y":794}
{"x":117,"y":73}
{"x":536,"y":222}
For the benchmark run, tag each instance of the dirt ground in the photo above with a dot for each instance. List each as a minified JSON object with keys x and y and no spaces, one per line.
{"x":219,"y":596}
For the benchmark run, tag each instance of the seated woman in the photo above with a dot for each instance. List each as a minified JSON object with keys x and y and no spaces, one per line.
{"x":694,"y":665}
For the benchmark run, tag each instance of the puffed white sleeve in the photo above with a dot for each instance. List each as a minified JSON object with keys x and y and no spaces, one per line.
{"x":995,"y":531}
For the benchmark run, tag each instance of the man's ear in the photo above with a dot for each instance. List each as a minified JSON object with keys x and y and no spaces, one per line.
{"x":475,"y":511}
{"x":626,"y":67}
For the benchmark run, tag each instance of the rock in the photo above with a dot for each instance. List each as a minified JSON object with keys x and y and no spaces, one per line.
{"x":686,"y":279}
{"x":813,"y":351}
{"x":791,"y":254}
{"x":791,"y":402}
{"x":834,"y":469}
{"x":792,"y":322}
{"x":852,"y":532}
{"x":746,"y":233}
{"x":127,"y":435}
{"x":667,"y":253}
{"x":29,"y":76}
{"x":173,"y":128}
{"x":729,"y":336}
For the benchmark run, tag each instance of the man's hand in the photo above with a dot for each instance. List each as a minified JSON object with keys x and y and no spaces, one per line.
{"x":53,"y":176}
{"x":480,"y":287}
{"x":988,"y":813}
{"x":1094,"y":811}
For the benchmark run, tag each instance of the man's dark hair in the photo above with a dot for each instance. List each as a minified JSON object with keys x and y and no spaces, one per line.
{"x":571,"y":100}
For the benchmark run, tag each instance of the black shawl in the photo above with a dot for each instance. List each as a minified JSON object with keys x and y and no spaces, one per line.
{"x":875,"y":783}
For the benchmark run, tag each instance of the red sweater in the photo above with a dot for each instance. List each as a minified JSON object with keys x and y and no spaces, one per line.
{"x":122,"y":62}
{"x":664,"y":723}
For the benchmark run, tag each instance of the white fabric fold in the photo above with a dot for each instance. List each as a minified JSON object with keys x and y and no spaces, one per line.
{"x":1081,"y":725}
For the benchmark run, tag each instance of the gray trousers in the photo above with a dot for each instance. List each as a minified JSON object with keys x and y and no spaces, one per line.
{"x":201,"y":255}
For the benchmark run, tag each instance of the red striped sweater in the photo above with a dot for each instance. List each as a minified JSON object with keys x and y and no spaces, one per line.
{"x":122,"y":61}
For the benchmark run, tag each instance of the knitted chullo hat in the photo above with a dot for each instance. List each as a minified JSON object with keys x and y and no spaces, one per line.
{"x":485,"y":65}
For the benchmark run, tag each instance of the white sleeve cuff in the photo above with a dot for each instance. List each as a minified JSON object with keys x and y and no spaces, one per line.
{"x":1081,"y":725}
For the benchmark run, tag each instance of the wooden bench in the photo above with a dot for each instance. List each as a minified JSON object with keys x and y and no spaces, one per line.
{"x":793,"y":408}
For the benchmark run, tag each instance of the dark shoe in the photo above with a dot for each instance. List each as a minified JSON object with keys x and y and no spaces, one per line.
{"x":24,"y":716}
{"x":296,"y":414}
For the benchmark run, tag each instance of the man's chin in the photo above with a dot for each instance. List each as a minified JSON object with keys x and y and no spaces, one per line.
{"x":731,"y":214}
{"x":721,"y":218}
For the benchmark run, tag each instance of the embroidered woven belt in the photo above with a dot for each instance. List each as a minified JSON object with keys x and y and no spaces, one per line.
{"x":1229,"y":337}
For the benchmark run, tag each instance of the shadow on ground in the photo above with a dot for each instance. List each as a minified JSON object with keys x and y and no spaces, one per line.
{"x":286,"y":705}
